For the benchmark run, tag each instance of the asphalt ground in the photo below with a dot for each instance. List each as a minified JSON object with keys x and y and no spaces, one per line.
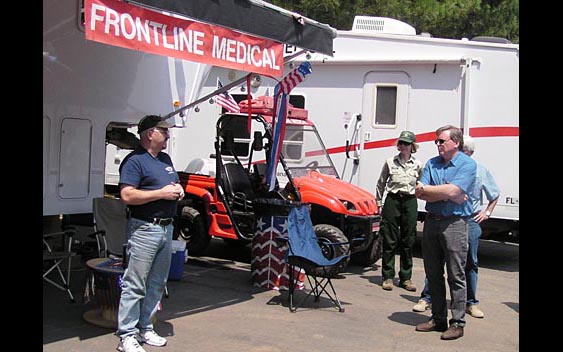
{"x":215,"y":308}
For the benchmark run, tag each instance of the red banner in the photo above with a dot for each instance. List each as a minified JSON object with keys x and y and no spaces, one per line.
{"x":118,"y":23}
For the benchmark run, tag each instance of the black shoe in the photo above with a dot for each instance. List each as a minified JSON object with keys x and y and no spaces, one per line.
{"x":430,"y":325}
{"x":454,"y":332}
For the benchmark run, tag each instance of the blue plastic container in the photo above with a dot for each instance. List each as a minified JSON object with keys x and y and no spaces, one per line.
{"x":179,"y":255}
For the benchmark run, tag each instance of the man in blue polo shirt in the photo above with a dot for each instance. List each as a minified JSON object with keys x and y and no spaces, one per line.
{"x":446,"y":180}
{"x":484,"y":185}
{"x":149,"y":185}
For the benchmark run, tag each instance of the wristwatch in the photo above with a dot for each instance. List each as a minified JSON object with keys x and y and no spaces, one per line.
{"x":488,"y":213}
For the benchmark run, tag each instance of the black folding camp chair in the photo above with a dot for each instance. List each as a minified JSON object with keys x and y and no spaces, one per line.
{"x":305,"y":253}
{"x":110,"y":224}
{"x":57,"y":251}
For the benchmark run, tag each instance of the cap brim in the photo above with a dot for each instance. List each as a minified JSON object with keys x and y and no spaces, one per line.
{"x":164,"y":124}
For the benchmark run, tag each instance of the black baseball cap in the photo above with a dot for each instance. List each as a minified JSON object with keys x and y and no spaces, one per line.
{"x":151,"y":121}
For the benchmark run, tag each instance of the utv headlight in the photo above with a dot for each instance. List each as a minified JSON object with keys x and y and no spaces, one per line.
{"x":348,"y":205}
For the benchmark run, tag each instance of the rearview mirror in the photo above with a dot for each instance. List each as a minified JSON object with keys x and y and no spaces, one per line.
{"x":257,"y":144}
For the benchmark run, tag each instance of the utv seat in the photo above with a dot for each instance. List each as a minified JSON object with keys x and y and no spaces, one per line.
{"x":237,"y":184}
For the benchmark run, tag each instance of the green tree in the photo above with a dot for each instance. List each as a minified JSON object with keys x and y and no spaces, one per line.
{"x":441,"y":18}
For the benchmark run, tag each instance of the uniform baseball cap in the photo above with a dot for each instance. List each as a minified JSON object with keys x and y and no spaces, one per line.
{"x":407,"y":136}
{"x":151,"y":121}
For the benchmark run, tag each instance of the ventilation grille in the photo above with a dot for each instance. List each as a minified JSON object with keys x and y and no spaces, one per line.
{"x":368,"y":24}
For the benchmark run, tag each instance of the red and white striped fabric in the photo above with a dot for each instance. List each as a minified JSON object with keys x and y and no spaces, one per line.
{"x":295,"y":77}
{"x":281,"y":93}
{"x":226,"y":100}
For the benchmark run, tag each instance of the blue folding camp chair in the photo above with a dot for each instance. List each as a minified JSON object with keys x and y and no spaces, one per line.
{"x":305,"y":253}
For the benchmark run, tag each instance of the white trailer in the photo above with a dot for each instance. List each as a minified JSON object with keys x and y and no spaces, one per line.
{"x":413,"y":82}
{"x":93,"y":93}
{"x":383,"y":79}
{"x":391,"y":78}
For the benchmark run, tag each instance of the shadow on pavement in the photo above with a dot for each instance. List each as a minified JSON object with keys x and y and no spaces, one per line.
{"x":64,"y":320}
{"x":514,"y":305}
{"x":408,"y":318}
{"x":411,"y":298}
{"x":204,"y":287}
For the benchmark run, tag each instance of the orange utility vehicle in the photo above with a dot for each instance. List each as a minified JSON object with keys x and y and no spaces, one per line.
{"x":220,"y":191}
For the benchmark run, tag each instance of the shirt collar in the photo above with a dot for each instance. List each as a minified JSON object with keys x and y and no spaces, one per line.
{"x":398,"y":158}
{"x":454,"y":159}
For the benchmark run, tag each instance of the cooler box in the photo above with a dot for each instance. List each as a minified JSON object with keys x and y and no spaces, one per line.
{"x":179,"y":258}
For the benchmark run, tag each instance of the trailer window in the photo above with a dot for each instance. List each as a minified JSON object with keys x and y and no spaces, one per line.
{"x":237,"y":127}
{"x":292,"y":148}
{"x":293,"y":140}
{"x":121,"y":139}
{"x":385,"y":105}
{"x":297,"y":101}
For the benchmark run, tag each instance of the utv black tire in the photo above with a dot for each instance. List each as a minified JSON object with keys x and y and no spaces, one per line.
{"x":193,"y":231}
{"x":371,"y":255}
{"x":328,"y":233}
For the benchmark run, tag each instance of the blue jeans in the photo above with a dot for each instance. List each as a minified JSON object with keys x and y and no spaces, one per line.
{"x":149,"y":252}
{"x":471,"y":268}
{"x":425,"y":294}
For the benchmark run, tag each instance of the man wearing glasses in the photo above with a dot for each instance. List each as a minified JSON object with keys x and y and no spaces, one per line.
{"x":444,"y":185}
{"x":149,"y":185}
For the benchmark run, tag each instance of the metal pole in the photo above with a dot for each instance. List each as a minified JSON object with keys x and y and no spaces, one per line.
{"x":224,"y":88}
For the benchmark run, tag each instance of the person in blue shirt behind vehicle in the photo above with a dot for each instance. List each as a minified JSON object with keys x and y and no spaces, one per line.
{"x":149,"y":185}
{"x":446,"y":181}
{"x":484,"y":183}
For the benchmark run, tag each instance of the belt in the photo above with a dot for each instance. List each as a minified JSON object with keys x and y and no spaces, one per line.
{"x":156,"y":221}
{"x":439,"y":217}
{"x":401,"y":195}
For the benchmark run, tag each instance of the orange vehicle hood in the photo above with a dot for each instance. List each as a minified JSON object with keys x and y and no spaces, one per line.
{"x":330,"y":192}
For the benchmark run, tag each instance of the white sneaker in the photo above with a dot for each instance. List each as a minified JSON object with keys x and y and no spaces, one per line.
{"x":474,"y":311}
{"x":421,"y":306}
{"x":129,"y":344}
{"x":151,"y":338}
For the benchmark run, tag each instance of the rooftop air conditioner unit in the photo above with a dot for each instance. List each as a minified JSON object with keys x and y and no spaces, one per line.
{"x":368,"y":24}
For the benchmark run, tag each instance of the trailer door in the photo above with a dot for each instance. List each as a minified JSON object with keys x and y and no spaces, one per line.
{"x":384,"y":115}
{"x":74,"y":163}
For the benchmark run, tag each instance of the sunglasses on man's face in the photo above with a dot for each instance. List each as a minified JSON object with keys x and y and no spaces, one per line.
{"x":440,"y":141}
{"x":404,"y":143}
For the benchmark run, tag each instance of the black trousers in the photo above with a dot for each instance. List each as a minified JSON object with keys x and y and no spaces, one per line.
{"x":398,"y":230}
